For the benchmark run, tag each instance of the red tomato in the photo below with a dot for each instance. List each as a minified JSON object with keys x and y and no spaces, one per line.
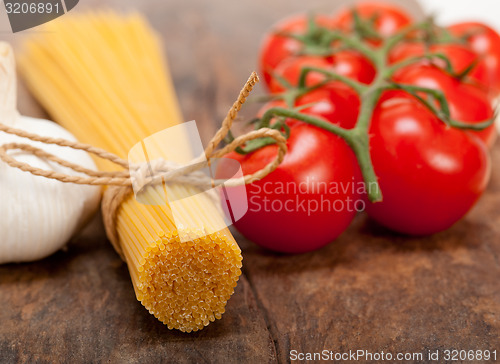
{"x":486,"y":43}
{"x":335,"y":102}
{"x":290,"y":70}
{"x":388,"y":19}
{"x":346,"y":63}
{"x":276,"y":47}
{"x":430,"y":175}
{"x":308,"y":200}
{"x":467,"y":103}
{"x":460,"y":56}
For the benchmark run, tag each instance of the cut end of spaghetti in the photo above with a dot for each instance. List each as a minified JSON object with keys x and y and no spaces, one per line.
{"x":186,"y":284}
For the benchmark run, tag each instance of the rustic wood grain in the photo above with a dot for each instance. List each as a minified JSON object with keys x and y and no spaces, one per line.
{"x":376,"y":290}
{"x":79,"y":306}
{"x":370,"y":289}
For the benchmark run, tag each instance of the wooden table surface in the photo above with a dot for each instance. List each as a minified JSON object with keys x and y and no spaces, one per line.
{"x":370,"y":289}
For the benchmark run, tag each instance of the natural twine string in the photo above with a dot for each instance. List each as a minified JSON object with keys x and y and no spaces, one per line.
{"x":120,"y":182}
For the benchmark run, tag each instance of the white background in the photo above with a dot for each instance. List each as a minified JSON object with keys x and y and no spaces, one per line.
{"x":449,"y":11}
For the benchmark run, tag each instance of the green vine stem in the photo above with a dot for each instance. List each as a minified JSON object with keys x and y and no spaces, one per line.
{"x":356,"y":138}
{"x":443,"y":113}
{"x":357,"y":86}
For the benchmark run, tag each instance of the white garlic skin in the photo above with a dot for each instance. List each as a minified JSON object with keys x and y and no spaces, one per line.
{"x":38,"y":215}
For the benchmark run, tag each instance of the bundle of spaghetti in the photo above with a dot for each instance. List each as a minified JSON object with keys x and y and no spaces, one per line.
{"x":102,"y":76}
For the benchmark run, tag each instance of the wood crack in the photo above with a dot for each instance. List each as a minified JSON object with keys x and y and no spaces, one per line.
{"x":271,"y":329}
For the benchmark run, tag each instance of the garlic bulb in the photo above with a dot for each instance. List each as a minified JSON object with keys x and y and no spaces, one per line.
{"x":39,"y":215}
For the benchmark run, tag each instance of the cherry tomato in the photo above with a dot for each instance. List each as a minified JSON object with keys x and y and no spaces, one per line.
{"x":460,"y":56}
{"x":277,"y":46}
{"x":291,"y":68}
{"x":467,"y":102}
{"x":430,"y":175}
{"x":387,"y":19}
{"x":308,"y":201}
{"x":486,"y":43}
{"x":335,"y":102}
{"x":346,"y":63}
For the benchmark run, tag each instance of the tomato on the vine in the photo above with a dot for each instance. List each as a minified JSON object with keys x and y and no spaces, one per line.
{"x":385,"y":19}
{"x":317,"y":186}
{"x":308,"y":201}
{"x":430,"y":175}
{"x":346,"y":63}
{"x":336,"y":102}
{"x":290,"y":69}
{"x":486,"y":43}
{"x":279,"y":45}
{"x":467,"y":102}
{"x":461,"y":58}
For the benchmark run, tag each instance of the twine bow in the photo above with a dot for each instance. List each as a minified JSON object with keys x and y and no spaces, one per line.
{"x":120,"y":182}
